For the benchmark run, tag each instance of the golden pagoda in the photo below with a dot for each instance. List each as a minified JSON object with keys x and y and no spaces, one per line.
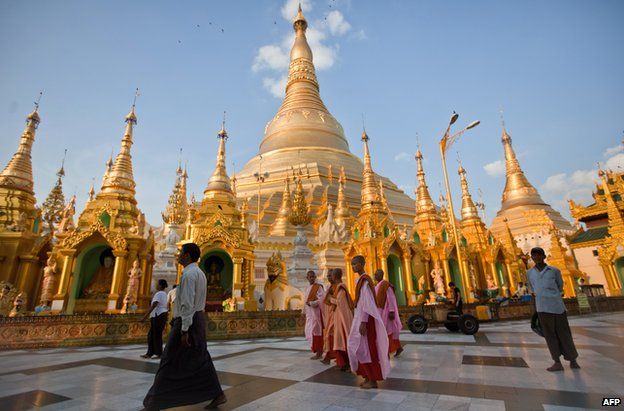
{"x":97,"y":254}
{"x":304,"y":135}
{"x":528,"y":216}
{"x":599,"y":247}
{"x":215,"y":225}
{"x":52,"y":207}
{"x":23,"y":249}
{"x":376,"y":236}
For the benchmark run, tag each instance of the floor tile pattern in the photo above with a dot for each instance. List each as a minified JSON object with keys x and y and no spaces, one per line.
{"x":502,"y":367}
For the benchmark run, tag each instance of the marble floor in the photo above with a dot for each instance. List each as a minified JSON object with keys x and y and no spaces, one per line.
{"x":502,"y":367}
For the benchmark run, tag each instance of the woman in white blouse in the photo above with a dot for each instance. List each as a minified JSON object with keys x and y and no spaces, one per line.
{"x":158,"y":318}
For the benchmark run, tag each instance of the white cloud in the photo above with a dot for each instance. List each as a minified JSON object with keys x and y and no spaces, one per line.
{"x":614,"y":150}
{"x":337,"y":23}
{"x":495,"y":168}
{"x":403,"y":156}
{"x":359,"y":35}
{"x":270,"y":57}
{"x":289,"y":9}
{"x":275,"y":86}
{"x":615,"y":163}
{"x":274,"y":58}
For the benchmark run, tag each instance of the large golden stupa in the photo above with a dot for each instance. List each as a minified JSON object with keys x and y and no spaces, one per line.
{"x":304,"y":136}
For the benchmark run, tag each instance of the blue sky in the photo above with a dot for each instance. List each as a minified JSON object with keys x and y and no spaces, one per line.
{"x":554,"y":67}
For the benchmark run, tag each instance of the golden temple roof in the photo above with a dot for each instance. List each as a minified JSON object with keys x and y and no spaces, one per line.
{"x":120,"y":178}
{"x":469,"y":210}
{"x":302,"y":120}
{"x":424,"y":202}
{"x":219,"y":181}
{"x":370,"y":189}
{"x":18,"y":172}
{"x":518,"y":191}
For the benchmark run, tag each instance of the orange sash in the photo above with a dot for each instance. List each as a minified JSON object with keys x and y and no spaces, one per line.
{"x":364,"y":278}
{"x":313,"y":292}
{"x":382,"y":294}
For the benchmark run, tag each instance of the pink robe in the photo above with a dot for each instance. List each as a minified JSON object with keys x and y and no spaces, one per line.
{"x":314,"y":314}
{"x":393,"y":328}
{"x":359,"y":351}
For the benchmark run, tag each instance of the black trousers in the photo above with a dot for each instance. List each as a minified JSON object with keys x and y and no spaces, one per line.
{"x":558,"y":336}
{"x":185,"y":375}
{"x":154,"y":336}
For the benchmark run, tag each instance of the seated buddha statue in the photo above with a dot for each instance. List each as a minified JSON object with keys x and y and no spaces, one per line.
{"x":100,"y":284}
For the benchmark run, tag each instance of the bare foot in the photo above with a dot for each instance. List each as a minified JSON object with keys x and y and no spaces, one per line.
{"x":221,"y":399}
{"x":325,"y":361}
{"x":369,"y":384}
{"x":574,"y":364}
{"x":555,"y":367}
{"x":398,"y":352}
{"x":146,"y":356}
{"x":364,"y":382}
{"x":316,"y":357}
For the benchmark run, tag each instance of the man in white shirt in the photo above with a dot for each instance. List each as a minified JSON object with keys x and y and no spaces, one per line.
{"x":547,"y":285}
{"x":186,"y":374}
{"x":158,"y":318}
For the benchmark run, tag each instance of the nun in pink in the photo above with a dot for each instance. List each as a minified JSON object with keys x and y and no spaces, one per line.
{"x":314,"y":315}
{"x":389,"y":310}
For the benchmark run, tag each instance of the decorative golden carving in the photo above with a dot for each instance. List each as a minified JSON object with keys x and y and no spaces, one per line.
{"x":76,"y":237}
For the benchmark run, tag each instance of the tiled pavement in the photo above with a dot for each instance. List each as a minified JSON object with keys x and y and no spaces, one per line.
{"x":501,"y":367}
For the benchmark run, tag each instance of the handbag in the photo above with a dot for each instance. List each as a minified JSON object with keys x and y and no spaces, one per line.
{"x":536,"y":326}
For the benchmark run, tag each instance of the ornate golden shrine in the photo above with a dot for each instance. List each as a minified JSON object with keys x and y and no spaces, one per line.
{"x":605,"y":229}
{"x":216,"y":226}
{"x":23,"y":244}
{"x":111,"y":227}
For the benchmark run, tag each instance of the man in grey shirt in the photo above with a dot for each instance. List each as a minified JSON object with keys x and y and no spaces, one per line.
{"x":547,"y":285}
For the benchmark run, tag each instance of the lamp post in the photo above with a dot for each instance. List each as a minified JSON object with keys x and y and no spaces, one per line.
{"x":260,"y":177}
{"x":445,"y":143}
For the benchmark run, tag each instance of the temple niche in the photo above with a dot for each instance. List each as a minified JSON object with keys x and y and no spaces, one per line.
{"x":216,"y":225}
{"x":98,"y":251}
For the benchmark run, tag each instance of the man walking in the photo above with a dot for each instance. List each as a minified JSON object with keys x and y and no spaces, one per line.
{"x":547,"y":286}
{"x":314,"y":315}
{"x":368,"y":340}
{"x":186,"y":374}
{"x":389,"y":310}
{"x":158,"y":318}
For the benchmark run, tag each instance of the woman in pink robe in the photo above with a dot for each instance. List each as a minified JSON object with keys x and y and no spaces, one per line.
{"x":343,"y":319}
{"x":389,"y":310}
{"x":368,"y":339}
{"x":314,"y":315}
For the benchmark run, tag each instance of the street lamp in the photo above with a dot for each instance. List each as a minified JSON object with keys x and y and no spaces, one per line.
{"x":445,"y":143}
{"x":260,"y":178}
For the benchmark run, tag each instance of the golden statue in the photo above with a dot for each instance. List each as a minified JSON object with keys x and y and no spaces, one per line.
{"x":134,"y":278}
{"x":278,"y":295}
{"x":100,"y":284}
{"x":19,"y":305}
{"x":48,"y":286}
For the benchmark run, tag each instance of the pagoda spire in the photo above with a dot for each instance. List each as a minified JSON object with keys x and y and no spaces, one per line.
{"x":119,"y":178}
{"x":299,"y":215}
{"x":469,"y":210}
{"x":280,"y":225}
{"x":18,"y":172}
{"x":52,"y":207}
{"x":517,"y":190}
{"x":175,"y":212}
{"x":219,"y":181}
{"x":302,"y":119}
{"x":424,"y":202}
{"x":342,"y":213}
{"x":370,"y":189}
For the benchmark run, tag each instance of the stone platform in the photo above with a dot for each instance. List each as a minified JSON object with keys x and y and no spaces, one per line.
{"x":502,"y":367}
